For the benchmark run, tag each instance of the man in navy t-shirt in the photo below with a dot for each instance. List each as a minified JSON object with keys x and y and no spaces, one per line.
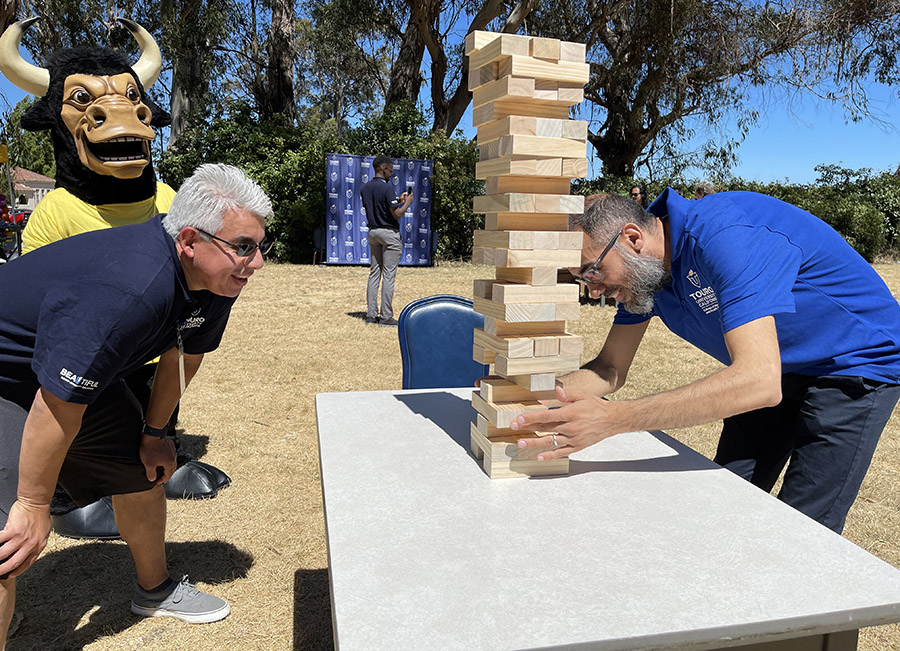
{"x":808,"y":332}
{"x":383,"y":212}
{"x":81,"y":314}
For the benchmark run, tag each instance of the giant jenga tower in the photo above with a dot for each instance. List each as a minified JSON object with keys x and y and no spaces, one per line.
{"x":522,"y":90}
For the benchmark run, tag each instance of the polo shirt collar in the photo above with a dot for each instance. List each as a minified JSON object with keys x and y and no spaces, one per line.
{"x":671,"y":206}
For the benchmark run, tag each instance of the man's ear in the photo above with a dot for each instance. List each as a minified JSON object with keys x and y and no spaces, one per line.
{"x":187,"y":240}
{"x":634,"y":236}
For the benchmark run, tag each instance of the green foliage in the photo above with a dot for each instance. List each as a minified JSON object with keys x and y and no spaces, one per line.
{"x":862,"y":207}
{"x":27,"y":149}
{"x":289,"y":164}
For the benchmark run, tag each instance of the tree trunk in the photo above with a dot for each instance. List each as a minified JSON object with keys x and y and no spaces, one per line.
{"x":280,"y":75}
{"x":406,"y":80}
{"x":190,"y":81}
{"x":8,"y":10}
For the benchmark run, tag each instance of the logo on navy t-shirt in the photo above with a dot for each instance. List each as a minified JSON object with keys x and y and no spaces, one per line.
{"x":705,"y":298}
{"x":76,"y":380}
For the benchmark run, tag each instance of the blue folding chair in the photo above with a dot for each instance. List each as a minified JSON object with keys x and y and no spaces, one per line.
{"x":436,"y":343}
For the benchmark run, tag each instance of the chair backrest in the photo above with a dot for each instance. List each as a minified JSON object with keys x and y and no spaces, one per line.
{"x":436,"y":342}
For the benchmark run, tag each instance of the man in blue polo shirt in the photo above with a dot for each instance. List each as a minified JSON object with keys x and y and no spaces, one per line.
{"x":81,"y":314}
{"x":383,"y":212}
{"x":808,"y":332}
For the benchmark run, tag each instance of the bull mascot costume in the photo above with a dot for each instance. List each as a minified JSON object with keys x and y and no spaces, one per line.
{"x":93,"y":102}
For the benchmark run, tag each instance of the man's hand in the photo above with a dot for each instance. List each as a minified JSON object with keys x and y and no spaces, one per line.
{"x":24,"y":537}
{"x":158,"y":454}
{"x":583,"y":420}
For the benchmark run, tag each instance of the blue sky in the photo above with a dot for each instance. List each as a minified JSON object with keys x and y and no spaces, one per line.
{"x":787,"y":143}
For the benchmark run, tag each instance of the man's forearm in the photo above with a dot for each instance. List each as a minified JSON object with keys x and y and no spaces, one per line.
{"x":49,"y":429}
{"x":166,"y":390}
{"x":723,"y":394}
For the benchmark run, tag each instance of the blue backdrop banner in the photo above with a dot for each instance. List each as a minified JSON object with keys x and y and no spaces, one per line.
{"x":347,"y":239}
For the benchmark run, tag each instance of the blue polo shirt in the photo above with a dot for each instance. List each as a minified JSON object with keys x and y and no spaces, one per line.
{"x":740,"y":256}
{"x":82,"y":312}
{"x":378,"y":198}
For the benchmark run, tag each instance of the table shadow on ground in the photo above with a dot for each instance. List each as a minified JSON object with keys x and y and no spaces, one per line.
{"x":312,"y":611}
{"x":97,"y":578}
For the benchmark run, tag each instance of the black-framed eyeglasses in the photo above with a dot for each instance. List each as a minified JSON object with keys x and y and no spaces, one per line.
{"x":593,"y":275}
{"x":635,"y":194}
{"x":244,"y":249}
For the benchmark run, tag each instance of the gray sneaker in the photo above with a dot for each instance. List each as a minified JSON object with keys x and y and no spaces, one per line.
{"x":182,"y":600}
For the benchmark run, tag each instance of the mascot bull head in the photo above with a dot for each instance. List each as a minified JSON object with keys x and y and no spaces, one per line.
{"x":94,"y":104}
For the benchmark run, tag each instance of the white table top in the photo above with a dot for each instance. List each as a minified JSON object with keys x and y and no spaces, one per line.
{"x":645,"y":543}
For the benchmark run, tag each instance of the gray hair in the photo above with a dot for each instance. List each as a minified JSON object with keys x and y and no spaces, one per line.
{"x":211,"y":191}
{"x":607,"y":213}
{"x":704,"y":188}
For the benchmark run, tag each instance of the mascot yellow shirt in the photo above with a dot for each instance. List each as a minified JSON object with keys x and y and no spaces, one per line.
{"x":61,"y":214}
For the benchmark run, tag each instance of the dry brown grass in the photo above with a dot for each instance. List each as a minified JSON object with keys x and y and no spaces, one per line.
{"x":298,"y":331}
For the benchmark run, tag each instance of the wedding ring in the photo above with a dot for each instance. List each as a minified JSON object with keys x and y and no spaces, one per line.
{"x":555,"y":442}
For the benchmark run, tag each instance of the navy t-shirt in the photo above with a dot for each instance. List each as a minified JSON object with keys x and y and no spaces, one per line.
{"x":740,"y":256}
{"x":378,"y":198}
{"x":87,"y":310}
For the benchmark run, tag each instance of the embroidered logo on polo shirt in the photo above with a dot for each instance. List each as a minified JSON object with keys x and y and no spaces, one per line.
{"x":78,"y":381}
{"x":705,"y":298}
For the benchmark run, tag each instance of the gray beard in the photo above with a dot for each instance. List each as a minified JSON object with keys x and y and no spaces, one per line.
{"x":646,"y":276}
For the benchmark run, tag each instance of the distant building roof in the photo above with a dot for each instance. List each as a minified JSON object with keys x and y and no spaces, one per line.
{"x":21,"y":175}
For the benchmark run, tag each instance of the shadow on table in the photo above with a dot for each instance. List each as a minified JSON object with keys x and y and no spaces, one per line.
{"x":682,"y":459}
{"x":449,"y":412}
{"x":312,"y":611}
{"x":97,"y":578}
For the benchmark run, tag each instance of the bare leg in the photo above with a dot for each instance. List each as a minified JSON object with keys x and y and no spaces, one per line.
{"x":7,"y":605}
{"x":141,"y":519}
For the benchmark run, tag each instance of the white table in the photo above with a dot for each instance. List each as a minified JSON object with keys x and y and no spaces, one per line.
{"x":646,"y":544}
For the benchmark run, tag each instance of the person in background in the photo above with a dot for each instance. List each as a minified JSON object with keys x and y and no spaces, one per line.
{"x":639,"y":195}
{"x":702,"y":189}
{"x":383,"y":212}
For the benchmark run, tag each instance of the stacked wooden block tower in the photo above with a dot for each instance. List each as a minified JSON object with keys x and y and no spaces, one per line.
{"x":522,"y":90}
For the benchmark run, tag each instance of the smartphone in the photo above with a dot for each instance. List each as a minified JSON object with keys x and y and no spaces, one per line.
{"x":410,"y":186}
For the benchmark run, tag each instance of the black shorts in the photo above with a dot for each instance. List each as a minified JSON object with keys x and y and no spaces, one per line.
{"x":104,"y":458}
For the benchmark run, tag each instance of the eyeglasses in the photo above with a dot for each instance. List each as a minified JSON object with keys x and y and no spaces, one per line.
{"x":244,"y":249}
{"x":593,"y":275}
{"x":635,"y":194}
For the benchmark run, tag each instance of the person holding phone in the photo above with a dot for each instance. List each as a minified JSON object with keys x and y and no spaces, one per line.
{"x":383,"y":212}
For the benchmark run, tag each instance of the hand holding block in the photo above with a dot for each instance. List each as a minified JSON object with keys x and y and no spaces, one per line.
{"x":501,"y":390}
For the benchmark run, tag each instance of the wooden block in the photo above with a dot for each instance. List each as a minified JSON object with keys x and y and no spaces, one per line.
{"x":502,"y":46}
{"x":510,"y":221}
{"x":569,"y":51}
{"x":483,"y":288}
{"x":526,"y":258}
{"x":524,"y":66}
{"x":522,"y":202}
{"x":503,"y":414}
{"x":503,"y":328}
{"x":488,"y":430}
{"x":504,"y":108}
{"x":535,"y":381}
{"x":569,"y":94}
{"x":558,"y":91}
{"x":506,"y":366}
{"x":482,"y":76}
{"x":574,"y":168}
{"x":529,"y":239}
{"x":482,"y":355}
{"x":516,"y":313}
{"x":519,"y":166}
{"x":568,"y":311}
{"x":508,"y":293}
{"x":512,"y":347}
{"x":475,"y":445}
{"x":501,"y":390}
{"x":536,"y":184}
{"x":524,"y":125}
{"x":505,"y":88}
{"x":535,"y":146}
{"x":545,"y":347}
{"x":478,"y":39}
{"x":571,"y":345}
{"x":542,"y":276}
{"x":514,"y":469}
{"x":545,"y":48}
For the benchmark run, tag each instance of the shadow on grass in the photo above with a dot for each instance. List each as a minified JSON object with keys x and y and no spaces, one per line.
{"x":194,"y":445}
{"x":312,"y":611}
{"x":357,"y":315}
{"x":97,"y":578}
